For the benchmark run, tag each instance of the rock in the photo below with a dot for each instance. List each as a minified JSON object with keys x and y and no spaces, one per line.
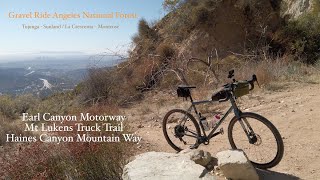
{"x":234,"y":164}
{"x":295,"y":8}
{"x":163,"y":166}
{"x":186,"y":151}
{"x":201,"y":157}
{"x":140,"y":126}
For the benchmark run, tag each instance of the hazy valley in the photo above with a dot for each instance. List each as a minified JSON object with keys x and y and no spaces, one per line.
{"x":45,"y":75}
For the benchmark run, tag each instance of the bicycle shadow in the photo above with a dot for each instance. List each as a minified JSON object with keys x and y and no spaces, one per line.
{"x":263,"y":174}
{"x":269,"y":175}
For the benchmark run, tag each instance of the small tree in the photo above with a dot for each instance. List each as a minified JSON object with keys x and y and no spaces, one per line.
{"x":145,"y":31}
{"x":304,"y":36}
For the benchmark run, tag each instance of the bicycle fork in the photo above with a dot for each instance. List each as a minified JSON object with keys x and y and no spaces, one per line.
{"x":244,"y":123}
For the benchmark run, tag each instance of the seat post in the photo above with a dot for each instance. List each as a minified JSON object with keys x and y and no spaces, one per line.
{"x":191,"y":98}
{"x":194,"y":106}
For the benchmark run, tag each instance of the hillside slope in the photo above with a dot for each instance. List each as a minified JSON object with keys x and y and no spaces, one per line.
{"x":221,"y":34}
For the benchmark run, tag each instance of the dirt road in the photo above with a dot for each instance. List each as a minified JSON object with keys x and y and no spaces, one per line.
{"x":294,"y":110}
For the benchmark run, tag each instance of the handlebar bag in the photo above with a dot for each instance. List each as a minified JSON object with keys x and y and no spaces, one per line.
{"x":241,"y":88}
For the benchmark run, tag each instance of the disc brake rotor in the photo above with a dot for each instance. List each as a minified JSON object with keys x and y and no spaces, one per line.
{"x":255,"y":139}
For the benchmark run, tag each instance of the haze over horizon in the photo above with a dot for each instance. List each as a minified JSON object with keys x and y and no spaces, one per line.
{"x":52,"y":55}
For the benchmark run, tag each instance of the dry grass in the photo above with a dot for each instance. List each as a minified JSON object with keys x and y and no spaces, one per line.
{"x":7,"y":106}
{"x":274,"y":74}
{"x":9,"y":126}
{"x":72,"y":160}
{"x":68,"y":161}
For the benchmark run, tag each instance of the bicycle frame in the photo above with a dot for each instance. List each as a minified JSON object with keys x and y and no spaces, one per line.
{"x":233,"y":107}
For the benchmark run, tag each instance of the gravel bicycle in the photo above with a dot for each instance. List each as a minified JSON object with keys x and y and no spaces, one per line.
{"x":251,"y":132}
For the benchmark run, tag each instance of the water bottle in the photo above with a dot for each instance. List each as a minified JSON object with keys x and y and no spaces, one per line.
{"x":204,"y":123}
{"x":215,"y":120}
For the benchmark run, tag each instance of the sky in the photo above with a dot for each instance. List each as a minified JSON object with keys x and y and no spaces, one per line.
{"x":16,"y":40}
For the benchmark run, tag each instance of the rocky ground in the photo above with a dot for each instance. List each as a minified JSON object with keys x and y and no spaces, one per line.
{"x":292,"y":107}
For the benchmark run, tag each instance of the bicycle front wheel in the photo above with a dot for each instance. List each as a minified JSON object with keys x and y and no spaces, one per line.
{"x":263,"y":145}
{"x":180,"y":129}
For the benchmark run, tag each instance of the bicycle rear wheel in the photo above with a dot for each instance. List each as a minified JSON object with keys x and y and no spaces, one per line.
{"x":264,"y":147}
{"x":180,"y":129}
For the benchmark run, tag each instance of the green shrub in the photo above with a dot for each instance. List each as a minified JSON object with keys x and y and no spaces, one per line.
{"x":202,"y":15}
{"x":112,"y":85}
{"x":7,"y":106}
{"x":25,"y":102}
{"x":146,"y":38}
{"x":145,"y":31}
{"x":166,"y":51}
{"x":98,"y":85}
{"x":12,"y":107}
{"x":73,"y":160}
{"x":304,"y":35}
{"x":10,"y":126}
{"x":58,"y":103}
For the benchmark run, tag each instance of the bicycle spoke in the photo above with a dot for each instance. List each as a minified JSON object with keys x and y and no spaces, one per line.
{"x":262,"y":149}
{"x":181,"y":129}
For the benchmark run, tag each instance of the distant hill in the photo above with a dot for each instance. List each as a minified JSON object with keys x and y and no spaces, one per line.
{"x":20,"y":77}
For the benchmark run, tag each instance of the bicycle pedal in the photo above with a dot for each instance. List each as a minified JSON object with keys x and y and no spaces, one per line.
{"x":195,"y":146}
{"x":221,"y":131}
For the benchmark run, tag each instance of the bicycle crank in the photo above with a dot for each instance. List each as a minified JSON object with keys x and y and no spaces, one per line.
{"x":184,"y":142}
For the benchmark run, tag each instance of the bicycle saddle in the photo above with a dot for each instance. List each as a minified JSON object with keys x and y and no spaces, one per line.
{"x":186,"y":87}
